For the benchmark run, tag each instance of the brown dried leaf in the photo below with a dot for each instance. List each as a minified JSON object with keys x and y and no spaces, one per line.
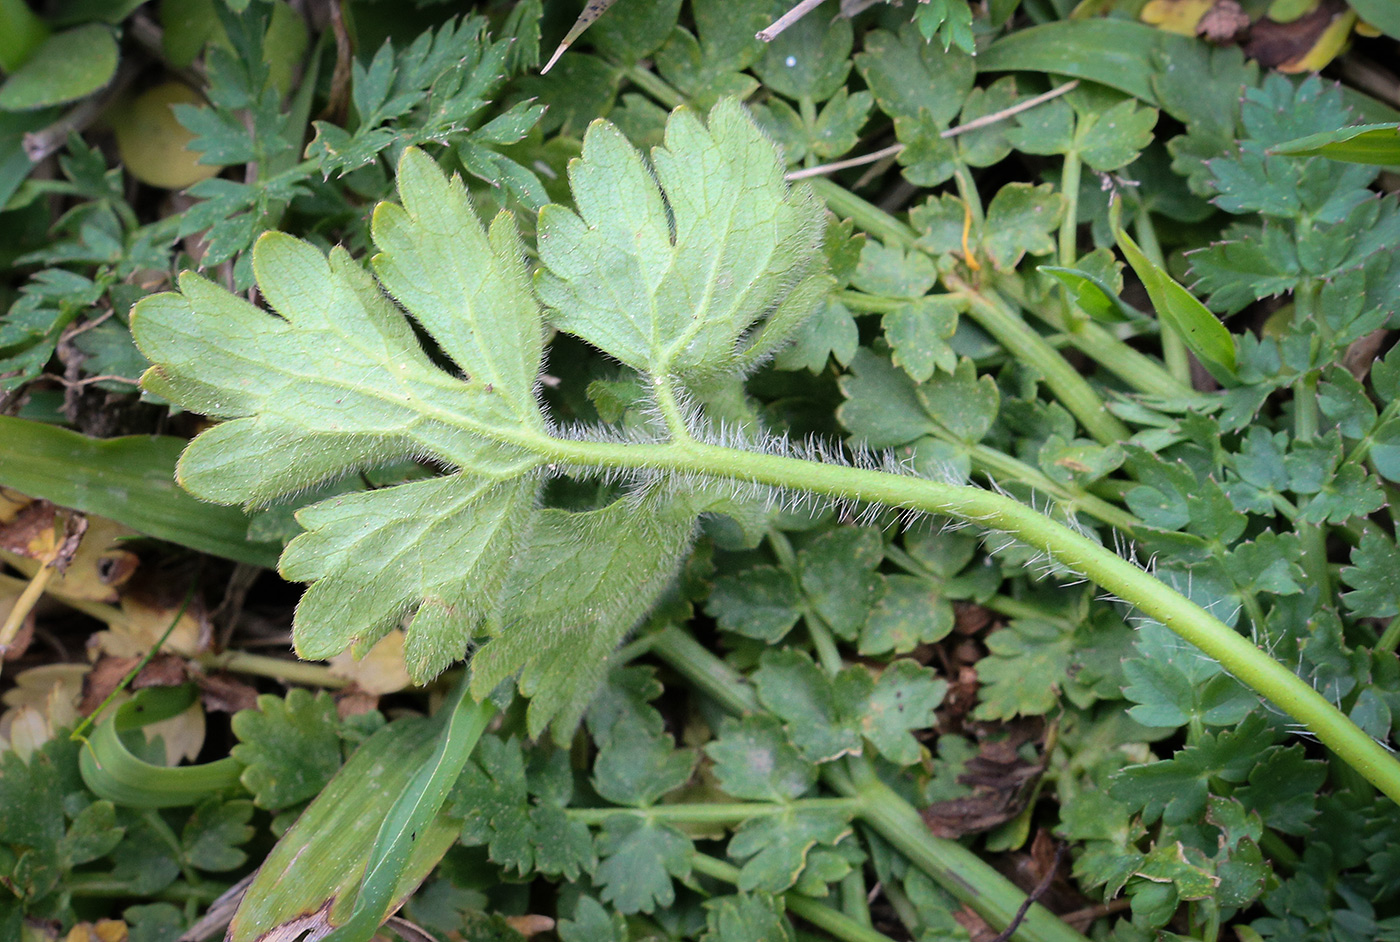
{"x":1002,"y":783}
{"x":1223,"y":22}
{"x":352,"y":701}
{"x":224,"y":693}
{"x":43,"y":532}
{"x":1275,"y":44}
{"x":105,"y":676}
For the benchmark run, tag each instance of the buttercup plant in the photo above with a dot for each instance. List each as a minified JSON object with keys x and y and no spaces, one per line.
{"x":691,"y":270}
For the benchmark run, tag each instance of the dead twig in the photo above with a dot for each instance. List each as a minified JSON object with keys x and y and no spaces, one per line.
{"x":973,"y":125}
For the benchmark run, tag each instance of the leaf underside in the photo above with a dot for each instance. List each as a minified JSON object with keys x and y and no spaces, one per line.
{"x":700,"y":265}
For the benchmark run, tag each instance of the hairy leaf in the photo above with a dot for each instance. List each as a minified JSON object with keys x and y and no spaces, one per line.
{"x":340,"y":382}
{"x":670,"y":273}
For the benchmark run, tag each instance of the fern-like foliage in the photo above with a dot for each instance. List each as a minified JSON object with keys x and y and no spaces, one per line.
{"x":697,"y":266}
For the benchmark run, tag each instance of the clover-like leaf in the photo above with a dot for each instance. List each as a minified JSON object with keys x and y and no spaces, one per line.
{"x":670,"y":268}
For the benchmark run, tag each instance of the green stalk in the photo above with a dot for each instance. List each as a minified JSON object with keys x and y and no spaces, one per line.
{"x":855,"y":897}
{"x":1390,"y":638}
{"x":1078,"y":553}
{"x":1069,"y":225}
{"x":1140,"y":372}
{"x":735,"y":812}
{"x":1313,"y":536}
{"x":655,"y":86}
{"x":835,"y":923}
{"x":996,"y":317}
{"x":956,"y":868}
{"x":993,"y":315}
{"x":979,"y":885}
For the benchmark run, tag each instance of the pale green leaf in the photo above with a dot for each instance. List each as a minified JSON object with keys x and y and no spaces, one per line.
{"x":669,"y":273}
{"x":588,"y":579}
{"x":340,"y":382}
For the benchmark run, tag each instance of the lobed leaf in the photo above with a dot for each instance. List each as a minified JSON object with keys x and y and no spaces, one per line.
{"x":670,"y":273}
{"x":340,"y":382}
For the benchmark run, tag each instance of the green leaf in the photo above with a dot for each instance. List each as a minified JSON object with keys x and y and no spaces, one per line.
{"x":914,"y":79}
{"x":93,"y":834}
{"x":904,"y":698}
{"x":1176,"y":790}
{"x":591,"y":923}
{"x":1113,"y":52}
{"x":1180,"y":311}
{"x":919,"y":335}
{"x":1359,"y":144}
{"x":776,"y":847}
{"x":885,"y":408}
{"x":1383,"y":16}
{"x":761,"y":602}
{"x":693,"y":258}
{"x":588,"y":579}
{"x":1112,"y":139}
{"x":810,"y":59}
{"x":1025,"y":669}
{"x":983,"y":147}
{"x":828,"y":717}
{"x":890,"y":271}
{"x":67,"y":66}
{"x":754,"y":761}
{"x":636,"y":768}
{"x":1045,"y":129}
{"x":343,"y":824}
{"x":837,"y":575}
{"x":342,"y":382}
{"x":518,"y":813}
{"x":1374,"y":577}
{"x":639,"y":858}
{"x":289,"y":746}
{"x":634,"y":31}
{"x":817,"y":709}
{"x":1173,"y":684}
{"x":1283,"y":789}
{"x":830,"y":333}
{"x":1092,"y":296}
{"x":213,"y":833}
{"x":1020,"y":219}
{"x":744,"y":917}
{"x":435,"y":545}
{"x":910,"y":612}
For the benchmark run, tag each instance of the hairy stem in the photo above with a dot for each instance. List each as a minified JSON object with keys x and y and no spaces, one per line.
{"x":1072,"y":549}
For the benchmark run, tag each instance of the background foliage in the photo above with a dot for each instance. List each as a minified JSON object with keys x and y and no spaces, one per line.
{"x":829,"y":721}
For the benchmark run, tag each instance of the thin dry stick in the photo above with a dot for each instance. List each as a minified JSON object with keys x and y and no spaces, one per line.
{"x":591,"y":12}
{"x":1030,"y":899}
{"x":973,"y":125}
{"x":39,"y":145}
{"x":787,"y":19}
